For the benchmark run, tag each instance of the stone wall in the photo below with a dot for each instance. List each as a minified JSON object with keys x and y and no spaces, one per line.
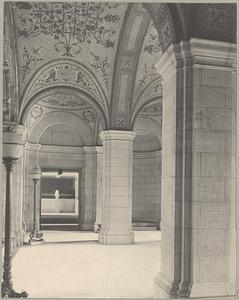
{"x":147,"y":188}
{"x":70,"y":158}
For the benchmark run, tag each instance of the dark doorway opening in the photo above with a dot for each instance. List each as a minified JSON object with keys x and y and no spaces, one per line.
{"x":60,"y":207}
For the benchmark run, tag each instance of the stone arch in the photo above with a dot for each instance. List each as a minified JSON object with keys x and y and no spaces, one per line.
{"x":60,"y":118}
{"x":76,"y":91}
{"x":139,"y":108}
{"x":64,"y":72}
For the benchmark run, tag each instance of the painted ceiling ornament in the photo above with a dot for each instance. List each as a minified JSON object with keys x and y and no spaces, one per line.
{"x":100,"y":64}
{"x":163,"y":22}
{"x":63,"y":102}
{"x":36,"y":112}
{"x":88,"y":116}
{"x":149,"y":72}
{"x":127,"y":62}
{"x":167,"y":33}
{"x":62,"y":73}
{"x":122,"y":119}
{"x":31,"y":58}
{"x":153,"y":45}
{"x":152,"y":111}
{"x":70,"y":24}
{"x":67,"y":73}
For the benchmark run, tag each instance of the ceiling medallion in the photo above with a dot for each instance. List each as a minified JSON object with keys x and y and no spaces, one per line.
{"x":70,"y":24}
{"x":36,"y":112}
{"x":88,"y":116}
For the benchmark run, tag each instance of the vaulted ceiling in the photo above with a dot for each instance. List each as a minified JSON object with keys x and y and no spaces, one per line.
{"x":105,"y":51}
{"x":96,"y":60}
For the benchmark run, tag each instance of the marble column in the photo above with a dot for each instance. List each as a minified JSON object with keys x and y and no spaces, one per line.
{"x":197,"y":172}
{"x":32,"y":159}
{"x":117,"y":187}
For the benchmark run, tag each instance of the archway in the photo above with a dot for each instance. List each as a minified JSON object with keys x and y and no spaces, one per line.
{"x":62,"y":134}
{"x":191,"y":139}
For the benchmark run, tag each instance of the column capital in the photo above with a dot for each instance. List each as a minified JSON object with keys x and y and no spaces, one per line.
{"x":9,"y":163}
{"x":121,"y":135}
{"x":212,"y":53}
{"x":196,"y":51}
{"x":13,"y":142}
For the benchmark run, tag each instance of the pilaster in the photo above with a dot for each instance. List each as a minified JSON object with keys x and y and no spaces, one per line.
{"x":88,"y":204}
{"x":197,"y":172}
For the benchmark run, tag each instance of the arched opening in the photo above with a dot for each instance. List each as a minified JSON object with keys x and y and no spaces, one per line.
{"x":92,"y":103}
{"x":62,"y":125}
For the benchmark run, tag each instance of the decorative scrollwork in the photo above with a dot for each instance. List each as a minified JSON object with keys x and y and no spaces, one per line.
{"x":102,"y":65}
{"x":149,"y":73}
{"x":65,"y":72}
{"x":30,"y":58}
{"x":70,"y":24}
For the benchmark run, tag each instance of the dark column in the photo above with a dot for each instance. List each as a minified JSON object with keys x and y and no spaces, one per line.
{"x":7,"y":284}
{"x":35,"y":234}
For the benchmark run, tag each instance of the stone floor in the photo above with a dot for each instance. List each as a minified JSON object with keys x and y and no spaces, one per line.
{"x":73,"y":265}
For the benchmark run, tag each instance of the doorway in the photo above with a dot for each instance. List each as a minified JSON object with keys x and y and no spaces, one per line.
{"x":60,"y":207}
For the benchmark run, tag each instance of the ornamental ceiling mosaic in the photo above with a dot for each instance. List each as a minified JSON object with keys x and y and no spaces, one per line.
{"x":52,"y":35}
{"x":146,"y":71}
{"x":84,"y":31}
{"x":58,"y":101}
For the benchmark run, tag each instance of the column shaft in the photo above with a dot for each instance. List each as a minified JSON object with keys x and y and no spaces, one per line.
{"x":117,"y":187}
{"x":7,"y":272}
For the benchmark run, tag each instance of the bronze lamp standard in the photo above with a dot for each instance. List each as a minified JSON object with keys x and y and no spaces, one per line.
{"x":35,"y":235}
{"x":12,"y":150}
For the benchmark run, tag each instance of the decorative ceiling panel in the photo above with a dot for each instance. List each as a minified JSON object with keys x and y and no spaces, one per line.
{"x":148,"y":83}
{"x":85,"y":31}
{"x":62,"y":101}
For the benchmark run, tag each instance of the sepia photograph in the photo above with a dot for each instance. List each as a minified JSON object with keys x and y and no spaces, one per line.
{"x":119,"y":150}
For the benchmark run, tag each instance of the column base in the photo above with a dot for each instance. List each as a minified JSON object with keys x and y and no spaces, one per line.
{"x":221,"y":289}
{"x":116,"y":239}
{"x":166,"y":289}
{"x":163,"y":288}
{"x":8,"y":292}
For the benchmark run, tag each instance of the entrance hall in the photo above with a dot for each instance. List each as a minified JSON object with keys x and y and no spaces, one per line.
{"x":119,"y":150}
